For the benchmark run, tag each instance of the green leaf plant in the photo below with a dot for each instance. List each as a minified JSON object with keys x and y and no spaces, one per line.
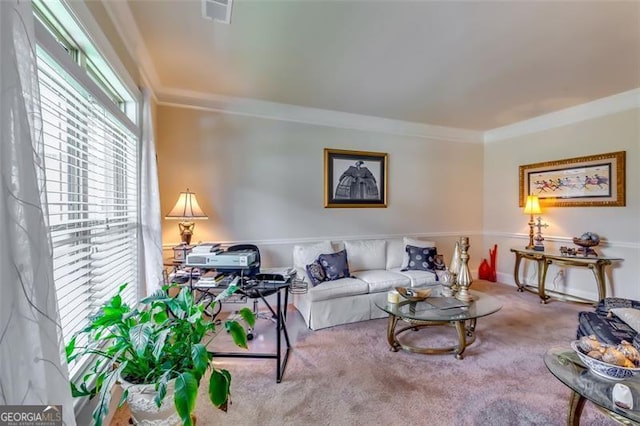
{"x":162,"y":339}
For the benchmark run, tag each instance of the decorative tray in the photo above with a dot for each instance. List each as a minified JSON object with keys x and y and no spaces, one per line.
{"x":414,"y":295}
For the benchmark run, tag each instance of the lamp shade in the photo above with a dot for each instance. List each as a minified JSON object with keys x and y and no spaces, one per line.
{"x":533,"y":205}
{"x":186,"y":208}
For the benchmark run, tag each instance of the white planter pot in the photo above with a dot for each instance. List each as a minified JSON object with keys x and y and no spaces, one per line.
{"x":144,"y":411}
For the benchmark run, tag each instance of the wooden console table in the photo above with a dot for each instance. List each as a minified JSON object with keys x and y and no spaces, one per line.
{"x":597,"y":265}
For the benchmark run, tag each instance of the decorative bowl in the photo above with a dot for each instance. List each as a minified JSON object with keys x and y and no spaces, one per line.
{"x":585,"y":243}
{"x":604,"y":369}
{"x":414,"y":294}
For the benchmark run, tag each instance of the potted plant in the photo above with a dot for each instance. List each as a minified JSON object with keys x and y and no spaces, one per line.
{"x":154,"y":349}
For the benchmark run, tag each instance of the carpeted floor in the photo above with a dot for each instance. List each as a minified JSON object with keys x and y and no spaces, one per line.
{"x":346,"y":375}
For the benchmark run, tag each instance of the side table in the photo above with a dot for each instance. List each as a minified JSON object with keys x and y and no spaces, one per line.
{"x":585,"y":386}
{"x":596,"y":264}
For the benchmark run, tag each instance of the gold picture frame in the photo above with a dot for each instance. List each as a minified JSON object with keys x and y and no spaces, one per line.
{"x":592,"y":181}
{"x":355,"y":178}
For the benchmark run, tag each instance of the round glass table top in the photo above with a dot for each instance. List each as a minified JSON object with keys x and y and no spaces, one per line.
{"x":565,"y":365}
{"x":443,"y":308}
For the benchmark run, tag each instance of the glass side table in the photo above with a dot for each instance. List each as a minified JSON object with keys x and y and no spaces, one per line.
{"x":585,"y":386}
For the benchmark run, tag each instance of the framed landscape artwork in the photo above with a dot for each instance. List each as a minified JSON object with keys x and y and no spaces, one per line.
{"x":355,"y":178}
{"x":596,"y":180}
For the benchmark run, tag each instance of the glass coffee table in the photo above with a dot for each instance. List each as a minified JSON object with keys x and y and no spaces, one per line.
{"x":565,"y":365}
{"x":438,"y":313}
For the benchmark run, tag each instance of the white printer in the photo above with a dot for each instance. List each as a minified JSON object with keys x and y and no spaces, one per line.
{"x":227,"y":259}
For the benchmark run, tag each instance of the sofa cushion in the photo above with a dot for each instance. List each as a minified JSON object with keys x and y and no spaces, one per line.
{"x":337,"y":288}
{"x":407,"y":241}
{"x":395,"y":253}
{"x":365,"y":255}
{"x":421,"y":258}
{"x":607,"y":330}
{"x":381,"y":280}
{"x":316,"y":273}
{"x":335,"y":265}
{"x":306,"y":254}
{"x":608,"y":303}
{"x":418,"y":278}
{"x":629,"y":316}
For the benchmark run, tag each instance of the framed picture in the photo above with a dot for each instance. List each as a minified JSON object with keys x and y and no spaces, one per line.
{"x":596,"y":180}
{"x":355,"y":178}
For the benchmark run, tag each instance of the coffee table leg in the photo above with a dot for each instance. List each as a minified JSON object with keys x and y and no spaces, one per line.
{"x":462,"y":338}
{"x":391,"y":338}
{"x":576,"y":404}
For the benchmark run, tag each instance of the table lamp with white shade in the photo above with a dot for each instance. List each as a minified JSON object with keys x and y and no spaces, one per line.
{"x":186,"y":210}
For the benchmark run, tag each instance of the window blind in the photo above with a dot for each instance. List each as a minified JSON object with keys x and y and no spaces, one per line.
{"x":92,"y":195}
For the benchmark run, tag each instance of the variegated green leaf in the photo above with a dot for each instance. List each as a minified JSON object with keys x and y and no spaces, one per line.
{"x":139,"y":336}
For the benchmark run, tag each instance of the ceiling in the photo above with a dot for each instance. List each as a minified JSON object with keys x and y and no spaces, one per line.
{"x":470,"y":65}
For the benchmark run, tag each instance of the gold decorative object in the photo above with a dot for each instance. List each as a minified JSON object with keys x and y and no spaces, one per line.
{"x":464,"y":275}
{"x":532,"y":207}
{"x":414,"y":295}
{"x":186,"y":209}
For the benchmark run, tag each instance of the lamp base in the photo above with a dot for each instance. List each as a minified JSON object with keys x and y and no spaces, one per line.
{"x":538,"y":248}
{"x":186,"y":231}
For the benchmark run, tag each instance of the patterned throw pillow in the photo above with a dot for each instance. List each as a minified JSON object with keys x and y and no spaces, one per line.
{"x":439,"y":263}
{"x":421,"y":259}
{"x":335,"y":265}
{"x":316,"y":273}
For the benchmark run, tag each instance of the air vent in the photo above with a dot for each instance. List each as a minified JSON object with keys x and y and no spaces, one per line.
{"x":217,"y":10}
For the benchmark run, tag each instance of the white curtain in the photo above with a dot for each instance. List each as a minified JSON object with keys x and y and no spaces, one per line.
{"x":150,"y":222}
{"x":32,"y":368}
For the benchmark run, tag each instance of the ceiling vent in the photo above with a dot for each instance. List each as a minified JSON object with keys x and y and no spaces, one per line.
{"x":217,"y":10}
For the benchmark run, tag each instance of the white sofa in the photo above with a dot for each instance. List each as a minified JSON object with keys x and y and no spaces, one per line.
{"x":375,"y":266}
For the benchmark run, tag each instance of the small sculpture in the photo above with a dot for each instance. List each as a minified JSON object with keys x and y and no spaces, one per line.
{"x":568,"y":251}
{"x":448,"y":280}
{"x":487,"y":271}
{"x":538,"y":239}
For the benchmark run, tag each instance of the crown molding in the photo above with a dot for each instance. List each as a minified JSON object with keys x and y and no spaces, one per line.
{"x":315,"y":116}
{"x":599,"y":108}
{"x":125,"y":24}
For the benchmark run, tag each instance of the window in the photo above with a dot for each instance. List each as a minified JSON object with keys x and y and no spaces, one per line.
{"x":58,"y":19}
{"x":91,"y":163}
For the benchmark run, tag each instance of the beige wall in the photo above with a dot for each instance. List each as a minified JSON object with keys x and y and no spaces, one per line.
{"x":505,"y":224}
{"x":261,"y":180}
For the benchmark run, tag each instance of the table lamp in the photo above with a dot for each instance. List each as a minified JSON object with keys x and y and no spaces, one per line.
{"x":532,"y":207}
{"x":186,"y":210}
